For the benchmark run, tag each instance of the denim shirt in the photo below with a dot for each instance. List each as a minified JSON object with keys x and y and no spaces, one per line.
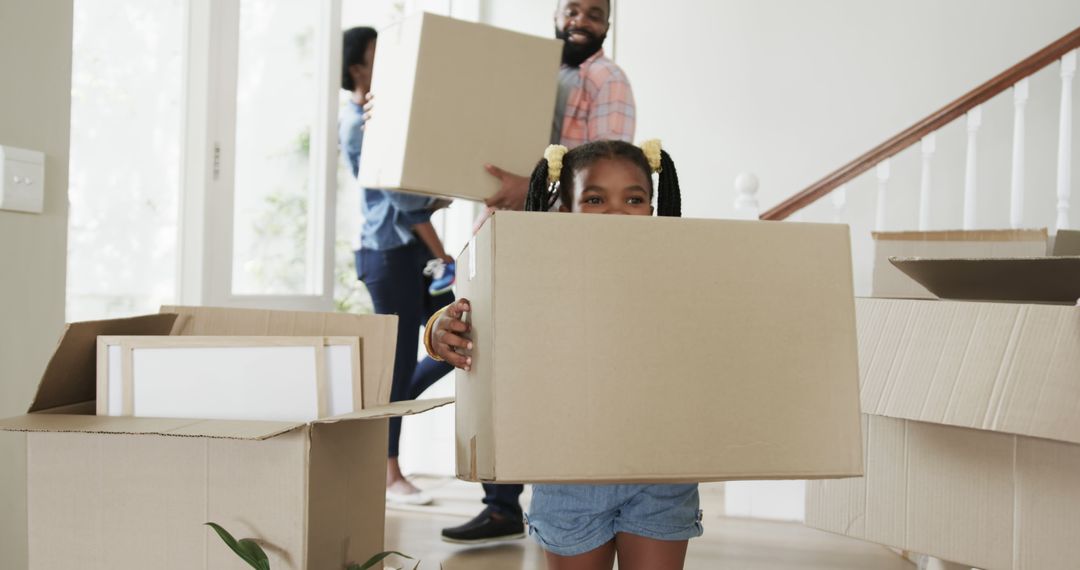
{"x":388,"y":216}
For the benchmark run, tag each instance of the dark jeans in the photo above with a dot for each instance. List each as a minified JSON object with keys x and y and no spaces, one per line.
{"x":504,"y":499}
{"x":397,"y":285}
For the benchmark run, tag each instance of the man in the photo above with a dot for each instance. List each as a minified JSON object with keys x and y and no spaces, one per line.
{"x":594,"y":103}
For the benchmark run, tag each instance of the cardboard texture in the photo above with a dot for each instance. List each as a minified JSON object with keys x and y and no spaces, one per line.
{"x":888,"y":281}
{"x":1030,"y":279}
{"x":133,"y":493}
{"x":453,"y":96}
{"x":624,"y":348}
{"x":972,"y":437}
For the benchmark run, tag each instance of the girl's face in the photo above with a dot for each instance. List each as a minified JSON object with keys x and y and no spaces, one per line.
{"x":611,"y":186}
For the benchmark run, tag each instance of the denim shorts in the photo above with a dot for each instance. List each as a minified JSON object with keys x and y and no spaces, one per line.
{"x":568,"y":520}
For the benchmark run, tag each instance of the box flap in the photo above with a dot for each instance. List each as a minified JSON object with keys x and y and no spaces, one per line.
{"x":391,"y":410}
{"x":1040,"y":235}
{"x":222,"y":429}
{"x":1003,"y":367}
{"x":1029,"y":279}
{"x":71,"y":376}
{"x":377,"y":333}
{"x":1066,"y":243}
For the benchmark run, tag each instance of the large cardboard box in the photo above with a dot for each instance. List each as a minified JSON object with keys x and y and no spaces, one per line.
{"x":628,"y":348}
{"x":888,"y":281}
{"x":124,"y":493}
{"x":972,"y":434}
{"x":453,"y":96}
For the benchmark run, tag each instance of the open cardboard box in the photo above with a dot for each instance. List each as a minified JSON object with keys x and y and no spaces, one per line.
{"x":888,"y":281}
{"x":133,"y":493}
{"x":971,"y":428}
{"x":1024,"y":279}
{"x":642,"y":349}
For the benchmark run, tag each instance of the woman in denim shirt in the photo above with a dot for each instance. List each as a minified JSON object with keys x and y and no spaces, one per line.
{"x":391,"y":258}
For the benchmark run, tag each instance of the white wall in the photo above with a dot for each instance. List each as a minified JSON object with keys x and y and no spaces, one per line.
{"x":35,"y":62}
{"x":791,"y":90}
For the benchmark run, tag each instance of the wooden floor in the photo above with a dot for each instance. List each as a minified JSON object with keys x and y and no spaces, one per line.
{"x":728,"y":544}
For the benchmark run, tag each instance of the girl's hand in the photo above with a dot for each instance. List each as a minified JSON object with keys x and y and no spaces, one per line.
{"x":450,"y":336}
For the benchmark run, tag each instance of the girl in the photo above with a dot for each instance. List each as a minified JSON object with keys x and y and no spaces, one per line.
{"x":587,"y":526}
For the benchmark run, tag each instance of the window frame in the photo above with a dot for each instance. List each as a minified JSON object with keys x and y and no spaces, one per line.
{"x":206,"y":220}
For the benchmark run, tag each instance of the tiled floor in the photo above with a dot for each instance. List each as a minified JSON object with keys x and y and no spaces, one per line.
{"x":728,"y":544}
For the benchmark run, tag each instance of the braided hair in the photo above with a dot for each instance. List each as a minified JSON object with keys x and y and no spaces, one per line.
{"x":543,"y":196}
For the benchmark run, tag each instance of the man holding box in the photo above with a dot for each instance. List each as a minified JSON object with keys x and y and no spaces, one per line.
{"x":594,"y":103}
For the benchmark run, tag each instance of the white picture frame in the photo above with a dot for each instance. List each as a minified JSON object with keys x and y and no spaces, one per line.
{"x":286,"y":378}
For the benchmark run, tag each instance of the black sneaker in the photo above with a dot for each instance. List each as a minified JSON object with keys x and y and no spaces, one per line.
{"x":485,"y":528}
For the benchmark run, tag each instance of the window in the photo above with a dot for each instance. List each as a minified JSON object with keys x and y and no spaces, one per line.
{"x":125,"y":156}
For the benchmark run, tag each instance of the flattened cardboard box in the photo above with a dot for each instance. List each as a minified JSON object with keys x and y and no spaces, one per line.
{"x":888,"y":281}
{"x":133,"y":493}
{"x":626,"y":348}
{"x":973,"y":440}
{"x":453,"y":96}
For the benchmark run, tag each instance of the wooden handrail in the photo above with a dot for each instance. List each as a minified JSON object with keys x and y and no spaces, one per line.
{"x":930,"y":124}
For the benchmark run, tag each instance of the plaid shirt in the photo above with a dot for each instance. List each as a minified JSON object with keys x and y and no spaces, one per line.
{"x":601,"y":107}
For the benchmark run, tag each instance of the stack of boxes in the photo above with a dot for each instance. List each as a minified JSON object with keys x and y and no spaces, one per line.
{"x":971,"y":421}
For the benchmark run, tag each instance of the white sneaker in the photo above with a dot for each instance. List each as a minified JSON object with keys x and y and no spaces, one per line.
{"x":415,"y":499}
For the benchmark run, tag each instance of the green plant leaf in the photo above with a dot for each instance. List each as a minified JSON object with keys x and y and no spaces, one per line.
{"x":377,"y":559}
{"x":256,"y":553}
{"x":235,"y":546}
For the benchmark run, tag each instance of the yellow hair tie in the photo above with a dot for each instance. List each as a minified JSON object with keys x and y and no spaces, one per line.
{"x":554,"y":155}
{"x":651,"y":148}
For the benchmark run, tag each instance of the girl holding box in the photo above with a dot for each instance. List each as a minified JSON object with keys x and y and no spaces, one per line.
{"x":588,"y":526}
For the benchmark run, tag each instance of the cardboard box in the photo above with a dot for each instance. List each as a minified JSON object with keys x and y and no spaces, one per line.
{"x":641,"y":349}
{"x":133,"y":493}
{"x":888,"y":281}
{"x":453,"y":96}
{"x":972,"y":435}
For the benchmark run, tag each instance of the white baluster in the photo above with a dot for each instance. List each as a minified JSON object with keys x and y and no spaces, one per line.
{"x":929,"y":146}
{"x":839,"y":204}
{"x":1064,"y":166}
{"x":746,"y":204}
{"x":1016,"y":203}
{"x":974,"y":121}
{"x":882,"y":185}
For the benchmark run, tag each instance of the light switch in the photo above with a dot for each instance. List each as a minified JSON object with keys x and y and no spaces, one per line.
{"x":22,"y":180}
